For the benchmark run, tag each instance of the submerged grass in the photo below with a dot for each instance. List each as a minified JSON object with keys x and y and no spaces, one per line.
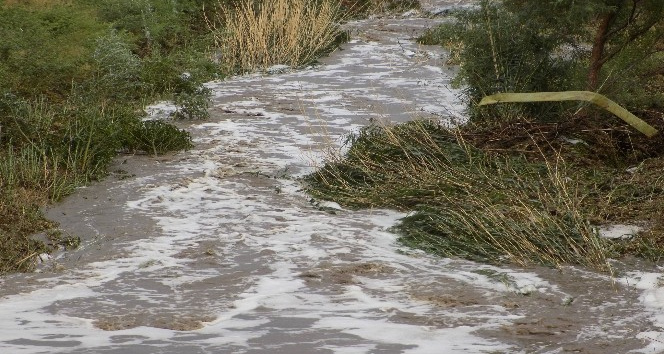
{"x":465,"y":202}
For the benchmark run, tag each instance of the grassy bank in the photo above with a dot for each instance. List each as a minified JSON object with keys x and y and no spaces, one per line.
{"x":76,"y":74}
{"x":517,"y":193}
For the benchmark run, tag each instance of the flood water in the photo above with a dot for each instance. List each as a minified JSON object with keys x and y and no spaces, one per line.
{"x":217,"y":250}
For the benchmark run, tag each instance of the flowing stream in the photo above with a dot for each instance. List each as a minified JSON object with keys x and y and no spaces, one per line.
{"x":217,"y":250}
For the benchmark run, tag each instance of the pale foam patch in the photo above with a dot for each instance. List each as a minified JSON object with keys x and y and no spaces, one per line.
{"x":422,"y":339}
{"x":619,"y":231}
{"x":160,"y":110}
{"x":28,"y":316}
{"x":652,"y":286}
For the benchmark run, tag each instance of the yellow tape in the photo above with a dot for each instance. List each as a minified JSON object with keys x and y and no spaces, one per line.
{"x":587,"y":96}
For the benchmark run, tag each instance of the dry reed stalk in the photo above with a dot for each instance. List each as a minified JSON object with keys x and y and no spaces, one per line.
{"x":288,"y":32}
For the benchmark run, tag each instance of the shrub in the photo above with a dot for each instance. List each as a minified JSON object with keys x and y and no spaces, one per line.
{"x":154,"y":25}
{"x":192,"y":104}
{"x":181,"y":77}
{"x":501,"y":53}
{"x":117,"y":70}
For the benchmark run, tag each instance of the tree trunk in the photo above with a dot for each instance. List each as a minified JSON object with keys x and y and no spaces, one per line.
{"x":597,"y":55}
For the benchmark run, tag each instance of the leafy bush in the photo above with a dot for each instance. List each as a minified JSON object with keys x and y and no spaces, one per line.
{"x":192,"y":104}
{"x":167,"y":74}
{"x":117,"y":70}
{"x":501,"y":53}
{"x":154,"y":25}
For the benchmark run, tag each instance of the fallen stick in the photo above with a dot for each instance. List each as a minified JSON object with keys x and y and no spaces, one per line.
{"x":587,"y":96}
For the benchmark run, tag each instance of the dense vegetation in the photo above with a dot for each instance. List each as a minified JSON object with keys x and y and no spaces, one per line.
{"x":613,"y":47}
{"x":526,"y":183}
{"x":75,"y":76}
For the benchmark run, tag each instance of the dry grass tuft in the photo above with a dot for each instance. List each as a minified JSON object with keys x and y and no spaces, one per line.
{"x":257,"y":35}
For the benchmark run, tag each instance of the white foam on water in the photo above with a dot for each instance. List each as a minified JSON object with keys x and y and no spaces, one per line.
{"x":271,"y":277}
{"x":424,"y":340}
{"x":652,"y":286}
{"x":160,"y":110}
{"x":619,"y":231}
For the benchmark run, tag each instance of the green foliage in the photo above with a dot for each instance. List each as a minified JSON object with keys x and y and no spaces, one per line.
{"x":553,"y":45}
{"x":157,"y":137}
{"x":192,"y":104}
{"x":501,"y":53}
{"x":45,"y":49}
{"x":118,"y":71}
{"x":154,"y":25}
{"x":181,"y":75}
{"x":631,"y":77}
{"x":440,"y":35}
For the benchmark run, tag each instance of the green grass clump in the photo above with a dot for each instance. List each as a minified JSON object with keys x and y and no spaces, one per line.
{"x":158,"y":137}
{"x":465,"y":202}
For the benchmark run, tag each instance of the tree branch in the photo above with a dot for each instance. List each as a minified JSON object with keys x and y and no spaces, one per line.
{"x":633,"y":36}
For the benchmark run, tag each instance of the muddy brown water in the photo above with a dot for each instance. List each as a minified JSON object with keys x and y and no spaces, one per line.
{"x":216,"y":250}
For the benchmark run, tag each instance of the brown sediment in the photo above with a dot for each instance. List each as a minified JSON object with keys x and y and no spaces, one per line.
{"x":176,"y":323}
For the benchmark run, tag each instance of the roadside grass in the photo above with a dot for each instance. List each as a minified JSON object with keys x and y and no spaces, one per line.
{"x":258,"y":35}
{"x":21,"y":217}
{"x":469,"y":199}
